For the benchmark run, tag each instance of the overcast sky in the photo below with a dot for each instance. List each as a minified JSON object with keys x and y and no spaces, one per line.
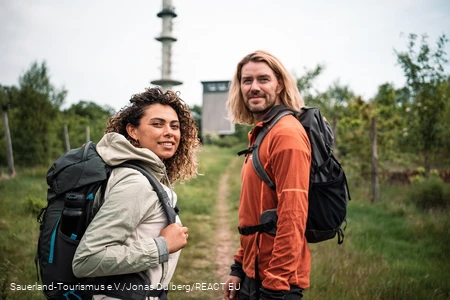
{"x":105,"y":51}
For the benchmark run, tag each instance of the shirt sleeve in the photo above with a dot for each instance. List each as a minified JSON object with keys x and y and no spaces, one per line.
{"x":290,"y":153}
{"x":103,"y":250}
{"x":239,"y":255}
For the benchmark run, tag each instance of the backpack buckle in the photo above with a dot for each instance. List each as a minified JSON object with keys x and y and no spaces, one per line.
{"x":247,"y":151}
{"x":266,"y":227}
{"x":39,"y":217}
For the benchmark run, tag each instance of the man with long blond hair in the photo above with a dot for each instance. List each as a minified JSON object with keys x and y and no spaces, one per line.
{"x":267,"y":265}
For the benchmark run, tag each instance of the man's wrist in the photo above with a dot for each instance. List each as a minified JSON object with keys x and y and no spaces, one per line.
{"x":236,"y":270}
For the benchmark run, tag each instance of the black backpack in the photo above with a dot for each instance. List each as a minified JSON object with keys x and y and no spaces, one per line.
{"x":328,"y":190}
{"x":73,"y":181}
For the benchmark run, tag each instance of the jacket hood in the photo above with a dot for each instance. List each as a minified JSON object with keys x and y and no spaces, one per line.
{"x":115,"y":149}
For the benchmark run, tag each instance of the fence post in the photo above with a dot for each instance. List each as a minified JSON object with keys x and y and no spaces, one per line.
{"x":66,"y":138}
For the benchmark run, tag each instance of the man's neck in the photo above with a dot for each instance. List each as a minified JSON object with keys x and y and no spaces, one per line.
{"x":260,"y":117}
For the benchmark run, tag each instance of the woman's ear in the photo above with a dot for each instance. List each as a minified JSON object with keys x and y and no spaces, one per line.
{"x":131,"y":130}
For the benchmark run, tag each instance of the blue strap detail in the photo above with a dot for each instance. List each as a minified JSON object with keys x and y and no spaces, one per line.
{"x":73,"y":236}
{"x":71,"y":292}
{"x":90,"y":197}
{"x":52,"y":243}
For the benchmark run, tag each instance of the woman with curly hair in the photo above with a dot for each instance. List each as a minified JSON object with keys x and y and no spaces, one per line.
{"x":130,"y":236}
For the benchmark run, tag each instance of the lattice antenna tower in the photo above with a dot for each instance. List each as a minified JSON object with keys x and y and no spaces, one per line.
{"x":166,"y":38}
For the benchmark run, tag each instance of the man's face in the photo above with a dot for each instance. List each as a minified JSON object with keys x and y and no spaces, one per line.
{"x":260,"y":88}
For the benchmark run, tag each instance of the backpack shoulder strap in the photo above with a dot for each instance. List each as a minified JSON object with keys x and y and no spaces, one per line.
{"x":255,"y":157}
{"x":170,"y":211}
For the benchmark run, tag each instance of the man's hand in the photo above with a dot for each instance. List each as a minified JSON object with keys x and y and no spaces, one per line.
{"x":232,"y":287}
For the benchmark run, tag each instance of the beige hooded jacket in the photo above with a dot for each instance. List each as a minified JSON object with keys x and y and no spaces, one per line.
{"x":124,"y":235}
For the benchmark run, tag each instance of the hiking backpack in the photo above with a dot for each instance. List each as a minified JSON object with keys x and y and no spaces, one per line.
{"x":328,"y":189}
{"x":73,"y":181}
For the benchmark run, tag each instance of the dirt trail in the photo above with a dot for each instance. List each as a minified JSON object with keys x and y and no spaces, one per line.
{"x":225,"y":247}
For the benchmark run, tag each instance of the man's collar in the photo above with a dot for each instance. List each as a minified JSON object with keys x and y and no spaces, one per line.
{"x":273,"y":112}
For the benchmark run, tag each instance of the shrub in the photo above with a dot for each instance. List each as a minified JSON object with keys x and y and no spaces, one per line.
{"x":210,"y":138}
{"x":430,"y":194}
{"x":420,"y":176}
{"x":226,"y":141}
{"x":34,"y":204}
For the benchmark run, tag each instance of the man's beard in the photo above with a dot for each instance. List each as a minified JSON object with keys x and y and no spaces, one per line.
{"x":263,"y":108}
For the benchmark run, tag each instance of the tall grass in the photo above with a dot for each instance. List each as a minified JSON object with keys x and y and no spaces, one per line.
{"x":391,"y":249}
{"x":19,"y":232}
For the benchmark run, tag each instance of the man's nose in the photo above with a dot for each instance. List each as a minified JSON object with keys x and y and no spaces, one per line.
{"x":255,"y":86}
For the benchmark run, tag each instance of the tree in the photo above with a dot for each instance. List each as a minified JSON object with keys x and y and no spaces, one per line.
{"x":388,"y":105}
{"x":444,"y":157}
{"x":337,"y":99}
{"x":83,"y":117}
{"x":305,"y":85}
{"x":197,"y":114}
{"x":425,"y":80}
{"x":90,"y":110}
{"x":33,"y":116}
{"x":354,"y":128}
{"x":332,"y":102}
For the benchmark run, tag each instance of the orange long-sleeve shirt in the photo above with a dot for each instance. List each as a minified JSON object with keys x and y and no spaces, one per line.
{"x":285,"y":259}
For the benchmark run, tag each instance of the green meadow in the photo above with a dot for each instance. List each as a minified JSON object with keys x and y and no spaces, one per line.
{"x":391,"y":249}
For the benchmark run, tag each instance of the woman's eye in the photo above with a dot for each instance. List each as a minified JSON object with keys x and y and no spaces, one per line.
{"x":157,"y":124}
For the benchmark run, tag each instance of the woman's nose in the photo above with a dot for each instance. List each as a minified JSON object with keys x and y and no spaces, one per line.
{"x":169,"y":131}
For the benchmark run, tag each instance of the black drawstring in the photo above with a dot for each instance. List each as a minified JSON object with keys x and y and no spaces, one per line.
{"x":257,"y":280}
{"x":247,"y":151}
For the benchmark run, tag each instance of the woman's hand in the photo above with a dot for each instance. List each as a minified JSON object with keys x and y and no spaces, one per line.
{"x":176,"y":236}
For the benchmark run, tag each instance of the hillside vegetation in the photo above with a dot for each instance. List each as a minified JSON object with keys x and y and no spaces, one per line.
{"x":392,"y":250}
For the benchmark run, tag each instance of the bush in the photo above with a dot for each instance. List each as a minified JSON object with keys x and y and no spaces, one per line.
{"x":226,"y":141}
{"x":420,"y":176}
{"x":430,"y":194}
{"x":34,"y":204}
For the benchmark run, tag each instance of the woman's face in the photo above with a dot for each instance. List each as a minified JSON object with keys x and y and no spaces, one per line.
{"x":159,"y":130}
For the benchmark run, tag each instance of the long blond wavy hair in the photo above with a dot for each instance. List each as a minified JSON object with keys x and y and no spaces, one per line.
{"x":289,"y":96}
{"x":183,"y":164}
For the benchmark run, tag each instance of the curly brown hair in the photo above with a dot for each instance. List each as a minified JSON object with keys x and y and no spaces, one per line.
{"x":183,"y":164}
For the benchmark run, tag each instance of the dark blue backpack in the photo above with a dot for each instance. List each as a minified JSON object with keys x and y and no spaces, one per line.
{"x":73,"y":181}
